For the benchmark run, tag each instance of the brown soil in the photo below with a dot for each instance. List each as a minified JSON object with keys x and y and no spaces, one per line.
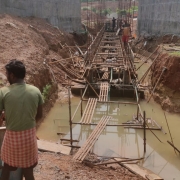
{"x":167,"y":92}
{"x":33,"y":41}
{"x":60,"y":167}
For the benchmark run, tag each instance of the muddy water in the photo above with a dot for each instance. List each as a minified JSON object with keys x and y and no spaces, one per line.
{"x":118,"y":141}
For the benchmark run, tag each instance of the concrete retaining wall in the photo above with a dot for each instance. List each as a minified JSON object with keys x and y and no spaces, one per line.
{"x":65,"y":14}
{"x":159,"y":17}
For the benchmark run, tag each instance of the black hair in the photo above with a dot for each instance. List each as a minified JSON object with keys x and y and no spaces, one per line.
{"x":17,"y":68}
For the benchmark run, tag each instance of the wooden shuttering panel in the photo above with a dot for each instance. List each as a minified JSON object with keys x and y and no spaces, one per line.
{"x":83,"y":151}
{"x":104,"y":88}
{"x":89,"y":111}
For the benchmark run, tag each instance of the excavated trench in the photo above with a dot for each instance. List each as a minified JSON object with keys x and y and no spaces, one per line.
{"x":128,"y":143}
{"x":166,"y":91}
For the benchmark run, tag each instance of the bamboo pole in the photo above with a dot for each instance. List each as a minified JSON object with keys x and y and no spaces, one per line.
{"x":148,"y":126}
{"x":147,"y":58}
{"x":174,"y":147}
{"x":144,"y":131}
{"x":91,"y":87}
{"x":62,"y":60}
{"x":126,"y":160}
{"x":169,"y":132}
{"x":70,"y":120}
{"x":94,"y":124}
{"x":79,"y":103}
{"x":146,"y":73}
{"x":164,"y":69}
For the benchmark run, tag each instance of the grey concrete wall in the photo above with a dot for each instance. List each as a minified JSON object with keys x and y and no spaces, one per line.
{"x":159,"y":17}
{"x":65,"y":14}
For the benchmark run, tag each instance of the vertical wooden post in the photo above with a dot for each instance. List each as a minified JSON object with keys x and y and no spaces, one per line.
{"x":144,"y":114}
{"x":138,"y":99}
{"x":137,"y":112}
{"x":81,"y":104}
{"x":70,"y":120}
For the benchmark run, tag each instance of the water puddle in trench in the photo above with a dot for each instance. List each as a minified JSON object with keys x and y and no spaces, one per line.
{"x":118,"y":141}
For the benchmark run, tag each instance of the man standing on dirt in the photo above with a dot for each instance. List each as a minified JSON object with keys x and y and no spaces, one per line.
{"x":22,"y":104}
{"x":113,"y":23}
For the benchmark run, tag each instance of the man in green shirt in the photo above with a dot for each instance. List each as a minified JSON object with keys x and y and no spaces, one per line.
{"x":22,"y":104}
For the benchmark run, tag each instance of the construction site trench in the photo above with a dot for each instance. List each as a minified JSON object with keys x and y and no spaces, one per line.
{"x":117,"y":140}
{"x":101,"y":98}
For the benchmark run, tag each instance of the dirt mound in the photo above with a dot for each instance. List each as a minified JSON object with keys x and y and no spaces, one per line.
{"x":33,"y":40}
{"x":59,"y":167}
{"x":36,"y":43}
{"x":167,"y":92}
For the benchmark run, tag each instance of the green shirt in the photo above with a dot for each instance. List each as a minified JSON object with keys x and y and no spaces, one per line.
{"x":20,"y":102}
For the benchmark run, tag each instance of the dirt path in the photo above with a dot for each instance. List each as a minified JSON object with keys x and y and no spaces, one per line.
{"x":60,"y":167}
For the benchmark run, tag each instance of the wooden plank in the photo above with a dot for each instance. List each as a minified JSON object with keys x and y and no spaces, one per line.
{"x":106,"y":53}
{"x":141,"y":171}
{"x":153,"y":177}
{"x":84,"y":150}
{"x":52,"y":147}
{"x":147,"y":128}
{"x":89,"y":111}
{"x":104,"y":87}
{"x":2,"y":128}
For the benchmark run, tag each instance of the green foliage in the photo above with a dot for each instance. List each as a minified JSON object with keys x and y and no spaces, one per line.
{"x":124,"y":12}
{"x":121,"y":12}
{"x":94,"y":10}
{"x":46,"y":91}
{"x":85,"y":8}
{"x":134,"y":8}
{"x":175,"y":53}
{"x":106,"y":11}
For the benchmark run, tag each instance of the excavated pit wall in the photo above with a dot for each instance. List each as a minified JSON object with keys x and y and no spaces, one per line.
{"x":159,"y":17}
{"x":65,"y":14}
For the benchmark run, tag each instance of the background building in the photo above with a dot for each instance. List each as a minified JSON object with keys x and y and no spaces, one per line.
{"x":159,"y":17}
{"x":65,"y":14}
